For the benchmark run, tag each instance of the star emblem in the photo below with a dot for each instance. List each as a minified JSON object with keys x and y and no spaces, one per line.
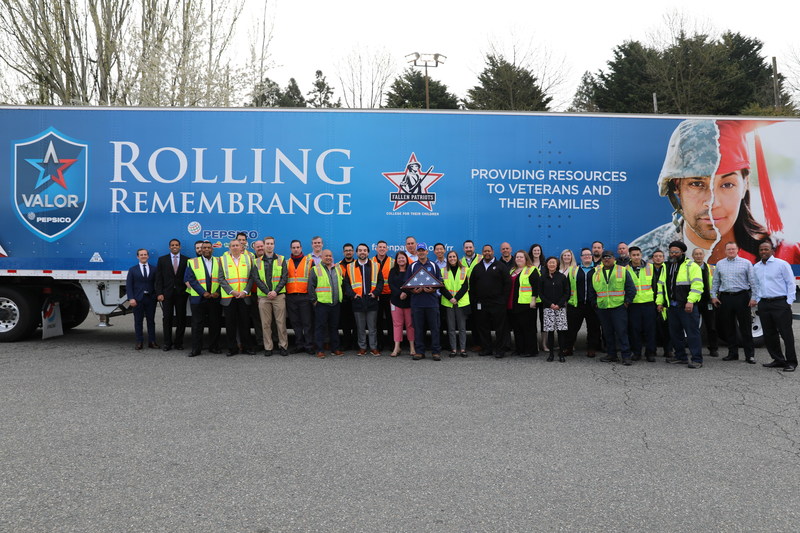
{"x":51,"y":168}
{"x":413,"y":184}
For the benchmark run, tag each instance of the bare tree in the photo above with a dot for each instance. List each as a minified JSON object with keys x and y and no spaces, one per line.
{"x":122,"y":52}
{"x":364,"y":75}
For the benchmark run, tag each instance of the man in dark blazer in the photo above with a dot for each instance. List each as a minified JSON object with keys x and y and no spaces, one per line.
{"x":140,"y":288}
{"x":171,"y":292}
{"x":489,"y":285}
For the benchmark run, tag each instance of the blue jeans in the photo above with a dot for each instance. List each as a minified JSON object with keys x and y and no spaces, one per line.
{"x":684,"y":328}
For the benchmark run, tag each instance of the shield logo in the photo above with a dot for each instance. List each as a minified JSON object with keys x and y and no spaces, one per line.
{"x":50,"y":185}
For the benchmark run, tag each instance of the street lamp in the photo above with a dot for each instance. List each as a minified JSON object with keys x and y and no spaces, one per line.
{"x":426,"y":60}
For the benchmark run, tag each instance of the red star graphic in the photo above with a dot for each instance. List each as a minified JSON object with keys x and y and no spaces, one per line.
{"x":428,"y":179}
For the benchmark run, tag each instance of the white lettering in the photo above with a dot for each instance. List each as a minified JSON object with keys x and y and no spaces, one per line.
{"x":182,"y":164}
{"x":119,"y":163}
{"x":321,"y":168}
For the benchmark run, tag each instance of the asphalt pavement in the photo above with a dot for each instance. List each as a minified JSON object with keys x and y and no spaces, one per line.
{"x":97,"y":437}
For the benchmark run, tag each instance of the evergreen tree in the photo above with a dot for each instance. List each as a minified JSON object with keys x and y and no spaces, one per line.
{"x":506,"y":86}
{"x":321,"y":94}
{"x":408,"y":92}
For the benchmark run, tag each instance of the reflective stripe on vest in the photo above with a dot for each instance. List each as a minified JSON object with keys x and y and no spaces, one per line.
{"x":388,"y":263}
{"x":572,"y":275}
{"x":298,"y":276}
{"x":323,"y":290}
{"x":355,"y":277}
{"x":611,"y":293}
{"x":276,"y":273}
{"x":454,"y":284}
{"x":237,"y":275}
{"x":197,"y":266}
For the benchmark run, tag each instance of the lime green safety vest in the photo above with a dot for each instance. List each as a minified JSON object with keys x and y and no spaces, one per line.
{"x":237,"y":276}
{"x":611,"y":293}
{"x":644,"y":284}
{"x":688,"y":278}
{"x":525,"y":289}
{"x":572,"y":275}
{"x":196,"y":264}
{"x":470,"y":267}
{"x":324,"y":293}
{"x":277,"y":270}
{"x":454,"y":283}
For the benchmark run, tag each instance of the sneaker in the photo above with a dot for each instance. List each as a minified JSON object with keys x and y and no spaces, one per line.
{"x":675,"y":361}
{"x":609,"y":359}
{"x":436,"y":357}
{"x":693,"y":364}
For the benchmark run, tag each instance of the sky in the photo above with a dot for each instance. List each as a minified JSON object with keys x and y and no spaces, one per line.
{"x":575,"y":35}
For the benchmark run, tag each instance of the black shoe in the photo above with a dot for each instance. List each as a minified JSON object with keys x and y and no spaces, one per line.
{"x":267,"y":353}
{"x":298,"y":349}
{"x":436,"y":357}
{"x":550,"y":357}
{"x":650,"y":356}
{"x":418,"y":357}
{"x":310,"y":351}
{"x":138,"y":346}
{"x":463,"y":354}
{"x":231,"y":353}
{"x":713,"y":353}
{"x":250,"y":352}
{"x":499,"y":355}
{"x":284,"y":352}
{"x":167,"y":347}
{"x":775,"y":364}
{"x":674,"y":361}
{"x":193,"y":354}
{"x":636,"y":357}
{"x":731,"y":358}
{"x":152,"y":345}
{"x":609,"y":359}
{"x":452,"y":354}
{"x":692,"y":364}
{"x":215,"y":350}
{"x":179,"y":346}
{"x":750,"y":360}
{"x":627,"y":361}
{"x":484,"y":353}
{"x":789,"y":367}
{"x":561,"y":358}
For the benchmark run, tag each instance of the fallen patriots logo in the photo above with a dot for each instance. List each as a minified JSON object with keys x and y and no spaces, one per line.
{"x":50,"y":184}
{"x":413,"y":185}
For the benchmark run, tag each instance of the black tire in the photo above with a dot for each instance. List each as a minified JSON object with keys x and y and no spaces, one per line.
{"x":75,"y":312}
{"x":18,"y":314}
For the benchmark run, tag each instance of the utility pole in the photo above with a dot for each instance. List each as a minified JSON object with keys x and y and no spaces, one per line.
{"x":425,"y":60}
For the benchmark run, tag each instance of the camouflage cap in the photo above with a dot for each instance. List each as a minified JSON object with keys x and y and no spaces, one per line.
{"x":693,"y":151}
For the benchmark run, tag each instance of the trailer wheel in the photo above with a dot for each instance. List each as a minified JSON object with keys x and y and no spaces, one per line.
{"x":76,"y":312}
{"x":17,"y":314}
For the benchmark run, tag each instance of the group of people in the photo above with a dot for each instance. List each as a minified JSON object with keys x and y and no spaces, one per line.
{"x":629,"y":306}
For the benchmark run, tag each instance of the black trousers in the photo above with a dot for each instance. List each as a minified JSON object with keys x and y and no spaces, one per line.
{"x":206,"y":313}
{"x":173,"y":311}
{"x":709,"y":317}
{"x":734,"y":310}
{"x":237,"y":320}
{"x":575,"y":318}
{"x":776,"y":319}
{"x":492,"y":317}
{"x":523,"y":322}
{"x":385,"y":331}
{"x":298,"y":307}
{"x":347,"y":323}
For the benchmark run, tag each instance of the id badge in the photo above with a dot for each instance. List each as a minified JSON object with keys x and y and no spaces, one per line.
{"x":478,"y":307}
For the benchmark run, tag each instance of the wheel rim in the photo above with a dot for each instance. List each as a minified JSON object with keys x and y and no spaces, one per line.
{"x":9,"y":315}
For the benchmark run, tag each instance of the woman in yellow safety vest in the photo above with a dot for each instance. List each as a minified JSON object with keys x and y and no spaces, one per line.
{"x":522,"y":304}
{"x":455,"y":298}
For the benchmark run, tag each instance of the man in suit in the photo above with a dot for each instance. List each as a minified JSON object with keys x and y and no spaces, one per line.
{"x":140,"y":288}
{"x":490,"y":284}
{"x":171,"y":292}
{"x":202,"y":282}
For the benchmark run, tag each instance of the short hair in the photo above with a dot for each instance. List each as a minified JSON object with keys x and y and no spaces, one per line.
{"x":295,"y":241}
{"x":440,"y":244}
{"x":384,"y":242}
{"x":241,"y":234}
{"x":468,"y":241}
{"x":767,"y":241}
{"x":350,"y":244}
{"x":315,"y":237}
{"x":622,"y":242}
{"x":558,"y":262}
{"x":586,"y":250}
{"x":140,"y":249}
{"x":734,"y":243}
{"x":364,"y":245}
{"x":175,"y":240}
{"x":199,"y":242}
{"x":269,"y":237}
{"x":411,"y":237}
{"x":657,"y":251}
{"x":598,"y":242}
{"x":489,"y":245}
{"x":634,"y":249}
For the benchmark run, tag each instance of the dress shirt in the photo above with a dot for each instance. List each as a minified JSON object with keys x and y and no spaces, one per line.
{"x":774,"y":279}
{"x":732,"y":275}
{"x":145,"y":270}
{"x":441,"y":264}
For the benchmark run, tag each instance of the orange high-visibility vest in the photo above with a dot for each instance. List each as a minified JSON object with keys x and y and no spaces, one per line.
{"x":355,"y":277}
{"x":387,"y":266}
{"x":298,"y":276}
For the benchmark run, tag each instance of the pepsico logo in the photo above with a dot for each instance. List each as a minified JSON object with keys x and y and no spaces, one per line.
{"x":194,"y":228}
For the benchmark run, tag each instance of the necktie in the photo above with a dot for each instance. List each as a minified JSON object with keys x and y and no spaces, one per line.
{"x":144,"y":270}
{"x":174,"y":265}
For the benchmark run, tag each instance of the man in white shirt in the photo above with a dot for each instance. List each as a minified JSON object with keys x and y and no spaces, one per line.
{"x":775,"y":292}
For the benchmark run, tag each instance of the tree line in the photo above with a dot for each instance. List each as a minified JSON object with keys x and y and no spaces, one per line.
{"x":183,"y":53}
